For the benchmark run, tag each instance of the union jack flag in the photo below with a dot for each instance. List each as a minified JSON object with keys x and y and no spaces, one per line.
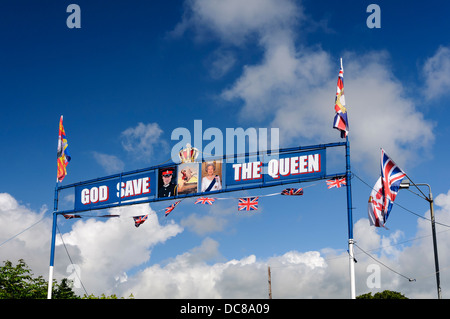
{"x":171,"y":207}
{"x":139,"y":220}
{"x":376,"y":205}
{"x":385,"y":190}
{"x":248,"y":203}
{"x":391,"y":177}
{"x":340,"y":119}
{"x":292,"y":191}
{"x":205,"y":200}
{"x":336,"y":182}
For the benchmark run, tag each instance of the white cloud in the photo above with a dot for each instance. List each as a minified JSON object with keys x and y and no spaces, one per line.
{"x":142,"y":140}
{"x":381,"y":114}
{"x":202,"y":225}
{"x":108,"y":249}
{"x":189,"y":276}
{"x":220,"y":62}
{"x":437,"y":74}
{"x":205,"y":223}
{"x":310,"y":274}
{"x":296,"y":90}
{"x":293,"y":86}
{"x":105,"y":251}
{"x":282,"y":80}
{"x":110,"y":163}
{"x":33,"y":244}
{"x":236,"y":21}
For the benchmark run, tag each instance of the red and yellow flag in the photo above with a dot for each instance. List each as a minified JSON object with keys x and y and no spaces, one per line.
{"x":63,"y":155}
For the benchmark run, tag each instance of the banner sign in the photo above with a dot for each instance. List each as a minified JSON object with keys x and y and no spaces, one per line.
{"x":95,"y":195}
{"x":284,"y":167}
{"x":194,"y":178}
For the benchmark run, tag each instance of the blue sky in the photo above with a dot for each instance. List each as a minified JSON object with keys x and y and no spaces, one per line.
{"x":149,"y":68}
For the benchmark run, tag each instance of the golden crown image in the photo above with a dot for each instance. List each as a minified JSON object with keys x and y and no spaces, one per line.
{"x":188,"y":154}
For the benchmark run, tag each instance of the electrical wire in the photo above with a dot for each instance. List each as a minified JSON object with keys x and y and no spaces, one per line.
{"x":70,"y":258}
{"x":29,"y":227}
{"x":395,"y":203}
{"x":378,"y":261}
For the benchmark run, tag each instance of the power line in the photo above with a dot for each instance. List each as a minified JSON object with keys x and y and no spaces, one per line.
{"x":22,"y":231}
{"x":395,"y":203}
{"x":79,"y":278}
{"x":410,"y":279}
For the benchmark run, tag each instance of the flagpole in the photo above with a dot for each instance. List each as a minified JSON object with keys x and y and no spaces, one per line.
{"x":349,"y":203}
{"x":55,"y":216}
{"x":350,"y":220}
{"x":52,"y":247}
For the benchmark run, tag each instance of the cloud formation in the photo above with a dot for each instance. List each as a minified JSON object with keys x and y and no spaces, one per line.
{"x":235,"y":22}
{"x":292,"y":87}
{"x":110,"y":163}
{"x":32,"y":245}
{"x":108,"y":252}
{"x":115,"y":245}
{"x":437,"y":74}
{"x":141,"y":141}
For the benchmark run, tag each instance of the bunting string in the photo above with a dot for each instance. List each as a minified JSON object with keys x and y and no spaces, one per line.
{"x":245,"y":203}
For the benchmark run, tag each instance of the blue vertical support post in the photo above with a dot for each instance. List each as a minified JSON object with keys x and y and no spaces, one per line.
{"x":350,"y":220}
{"x":52,"y":248}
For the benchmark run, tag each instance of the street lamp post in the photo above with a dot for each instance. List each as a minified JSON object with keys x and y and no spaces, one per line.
{"x":405,"y":185}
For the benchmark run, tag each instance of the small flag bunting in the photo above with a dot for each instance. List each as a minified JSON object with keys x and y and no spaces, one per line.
{"x":171,"y":207}
{"x":292,"y":191}
{"x":248,"y":203}
{"x":205,"y":200}
{"x":139,"y":220}
{"x":336,"y":182}
{"x":70,"y":216}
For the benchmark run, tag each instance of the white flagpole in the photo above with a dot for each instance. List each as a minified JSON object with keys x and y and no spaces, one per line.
{"x":52,"y":248}
{"x":350,"y":217}
{"x":55,"y":216}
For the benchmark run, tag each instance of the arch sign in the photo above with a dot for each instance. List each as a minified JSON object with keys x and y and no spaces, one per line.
{"x":198,"y":178}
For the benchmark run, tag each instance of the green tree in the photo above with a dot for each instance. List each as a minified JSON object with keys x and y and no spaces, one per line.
{"x":64,"y":290}
{"x":18,"y":282}
{"x":386,"y":294}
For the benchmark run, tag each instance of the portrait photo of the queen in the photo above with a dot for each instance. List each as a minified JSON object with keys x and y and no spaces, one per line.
{"x":211,"y":176}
